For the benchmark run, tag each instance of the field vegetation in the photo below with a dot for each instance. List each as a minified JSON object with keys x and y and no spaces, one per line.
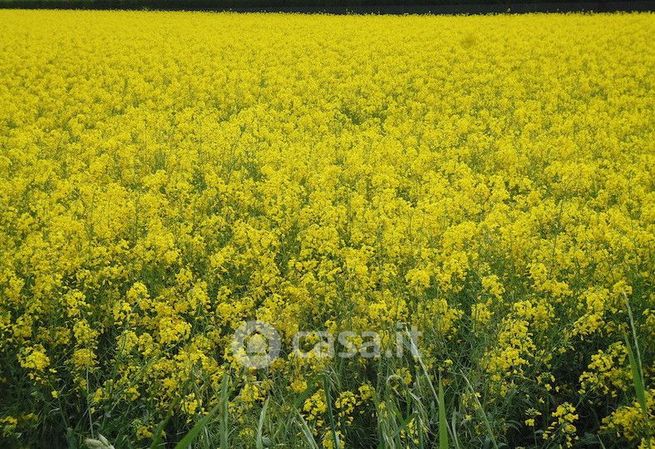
{"x":166,"y":177}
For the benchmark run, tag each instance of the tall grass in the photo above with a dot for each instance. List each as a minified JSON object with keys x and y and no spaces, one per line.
{"x":634,"y":357}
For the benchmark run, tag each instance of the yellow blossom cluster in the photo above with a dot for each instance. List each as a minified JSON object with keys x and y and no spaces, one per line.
{"x":165,"y":177}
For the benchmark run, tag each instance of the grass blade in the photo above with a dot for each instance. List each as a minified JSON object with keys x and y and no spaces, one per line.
{"x":635,"y":361}
{"x":159,"y":433}
{"x":482,"y":412}
{"x":307,"y":432}
{"x":637,"y":378}
{"x":453,"y":427}
{"x":328,"y":399}
{"x":260,"y":426}
{"x":191,"y":435}
{"x":185,"y":442}
{"x":225,"y":416}
{"x":443,"y":425}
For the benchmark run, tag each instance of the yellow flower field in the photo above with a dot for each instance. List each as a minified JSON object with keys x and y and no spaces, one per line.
{"x":487,"y":180}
